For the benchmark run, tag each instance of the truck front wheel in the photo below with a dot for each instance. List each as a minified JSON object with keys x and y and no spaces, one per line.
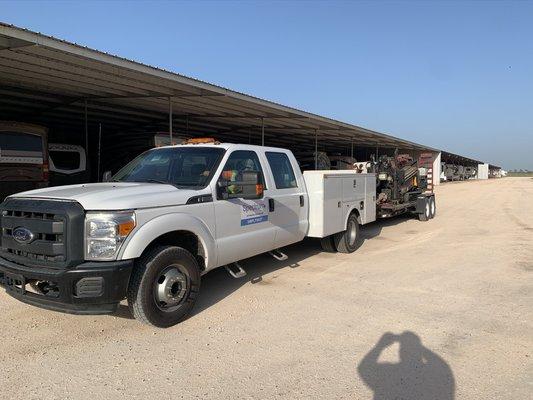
{"x":349,"y":240}
{"x":164,"y":285}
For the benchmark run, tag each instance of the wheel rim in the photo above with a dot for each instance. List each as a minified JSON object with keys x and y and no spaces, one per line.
{"x":171,"y":288}
{"x":432,"y":208}
{"x":352,"y":233}
{"x":427,"y":209}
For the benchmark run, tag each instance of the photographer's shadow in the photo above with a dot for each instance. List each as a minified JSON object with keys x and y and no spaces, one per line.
{"x":419,"y":374}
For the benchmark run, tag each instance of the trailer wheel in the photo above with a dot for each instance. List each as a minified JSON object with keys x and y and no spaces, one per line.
{"x":163,"y":287}
{"x":328,"y":244}
{"x":426,"y":215}
{"x":432,"y":207}
{"x":349,"y":240}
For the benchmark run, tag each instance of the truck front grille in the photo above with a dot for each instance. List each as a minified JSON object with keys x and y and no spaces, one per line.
{"x":50,"y":224}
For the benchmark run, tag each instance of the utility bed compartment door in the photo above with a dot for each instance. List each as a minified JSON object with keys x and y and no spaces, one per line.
{"x":350,"y":189}
{"x":359,"y":192}
{"x":332,"y":211}
{"x":333,"y":195}
{"x":369,"y":212}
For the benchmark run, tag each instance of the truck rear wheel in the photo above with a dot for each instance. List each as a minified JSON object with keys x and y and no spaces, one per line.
{"x":349,"y":240}
{"x":164,"y":286}
{"x":328,"y":244}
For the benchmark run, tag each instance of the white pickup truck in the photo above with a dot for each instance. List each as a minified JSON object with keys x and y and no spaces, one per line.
{"x":165,"y":219}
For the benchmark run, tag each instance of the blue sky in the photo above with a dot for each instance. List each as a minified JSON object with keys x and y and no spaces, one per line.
{"x":453,"y":75}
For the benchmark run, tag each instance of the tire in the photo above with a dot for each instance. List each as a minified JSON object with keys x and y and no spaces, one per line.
{"x":165,"y":272}
{"x":426,"y":215}
{"x":327,"y":244}
{"x":432,"y":207}
{"x":349,"y":240}
{"x":322,"y":161}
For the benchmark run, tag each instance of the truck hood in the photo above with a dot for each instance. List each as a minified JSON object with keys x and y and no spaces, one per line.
{"x":115,"y":195}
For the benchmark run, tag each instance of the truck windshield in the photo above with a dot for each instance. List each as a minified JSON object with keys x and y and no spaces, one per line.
{"x":183,"y":167}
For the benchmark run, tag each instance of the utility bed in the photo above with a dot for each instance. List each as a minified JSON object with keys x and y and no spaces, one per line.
{"x":333,"y":195}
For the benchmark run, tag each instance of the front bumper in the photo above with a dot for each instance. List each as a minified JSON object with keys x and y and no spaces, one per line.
{"x":88,"y":288}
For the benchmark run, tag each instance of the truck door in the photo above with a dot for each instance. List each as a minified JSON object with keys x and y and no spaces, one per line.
{"x":243,"y":226}
{"x":288,"y":208}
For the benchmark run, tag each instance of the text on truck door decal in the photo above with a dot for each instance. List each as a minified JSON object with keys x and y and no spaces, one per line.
{"x":253,"y":212}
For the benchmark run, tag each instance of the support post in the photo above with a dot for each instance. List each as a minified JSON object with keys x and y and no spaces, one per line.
{"x":86,"y":133}
{"x":262,"y":131}
{"x":170,"y":118}
{"x":99,"y":149}
{"x":316,"y":149}
{"x":351,"y":148}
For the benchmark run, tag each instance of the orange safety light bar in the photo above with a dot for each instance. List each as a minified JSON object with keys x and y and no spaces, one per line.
{"x":202,"y":141}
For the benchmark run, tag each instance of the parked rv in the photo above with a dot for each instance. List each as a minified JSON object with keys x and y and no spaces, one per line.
{"x":23,"y":157}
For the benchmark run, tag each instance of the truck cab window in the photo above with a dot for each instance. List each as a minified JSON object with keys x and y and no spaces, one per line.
{"x":238,"y":162}
{"x":281,"y":170}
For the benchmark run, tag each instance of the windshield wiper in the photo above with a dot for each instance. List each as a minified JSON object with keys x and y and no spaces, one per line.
{"x":150,"y":181}
{"x":159,"y":181}
{"x":155,"y":181}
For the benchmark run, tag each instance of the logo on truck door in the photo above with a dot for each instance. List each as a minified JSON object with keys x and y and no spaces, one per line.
{"x":253,"y":212}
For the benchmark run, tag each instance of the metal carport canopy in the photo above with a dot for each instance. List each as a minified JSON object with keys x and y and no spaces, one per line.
{"x":49,"y":80}
{"x":462,"y":160}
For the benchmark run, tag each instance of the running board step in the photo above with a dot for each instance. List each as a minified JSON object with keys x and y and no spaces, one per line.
{"x":278,"y":255}
{"x":235,"y":270}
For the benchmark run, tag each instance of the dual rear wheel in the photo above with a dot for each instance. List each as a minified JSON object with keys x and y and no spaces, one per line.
{"x":430,"y":209}
{"x":346,"y":241}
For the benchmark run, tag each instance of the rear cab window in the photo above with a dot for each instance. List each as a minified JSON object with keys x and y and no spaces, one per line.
{"x":282,"y":170}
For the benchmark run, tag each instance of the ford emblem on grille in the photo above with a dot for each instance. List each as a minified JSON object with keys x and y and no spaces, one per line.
{"x":23,"y":235}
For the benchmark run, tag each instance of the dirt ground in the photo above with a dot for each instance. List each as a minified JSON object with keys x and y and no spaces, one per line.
{"x":434,"y":310}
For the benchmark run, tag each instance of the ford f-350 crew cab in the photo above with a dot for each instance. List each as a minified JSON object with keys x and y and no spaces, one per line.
{"x":165,"y":219}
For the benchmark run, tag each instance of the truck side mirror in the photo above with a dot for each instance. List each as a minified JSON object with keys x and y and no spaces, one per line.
{"x":248,"y":187}
{"x":107,"y":176}
{"x":222,"y":189}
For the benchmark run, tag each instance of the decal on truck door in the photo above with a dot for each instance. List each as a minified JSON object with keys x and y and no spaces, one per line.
{"x":253,"y":212}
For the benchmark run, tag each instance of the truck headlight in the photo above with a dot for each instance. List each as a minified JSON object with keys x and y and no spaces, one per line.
{"x":105,"y":233}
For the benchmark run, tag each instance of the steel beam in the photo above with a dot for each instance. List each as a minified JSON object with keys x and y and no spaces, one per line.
{"x":170,"y":118}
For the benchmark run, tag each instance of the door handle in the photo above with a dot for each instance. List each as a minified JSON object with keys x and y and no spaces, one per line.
{"x":271,"y":205}
{"x":302,"y":200}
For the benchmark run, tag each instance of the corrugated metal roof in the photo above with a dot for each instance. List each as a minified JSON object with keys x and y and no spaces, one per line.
{"x":50,"y":79}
